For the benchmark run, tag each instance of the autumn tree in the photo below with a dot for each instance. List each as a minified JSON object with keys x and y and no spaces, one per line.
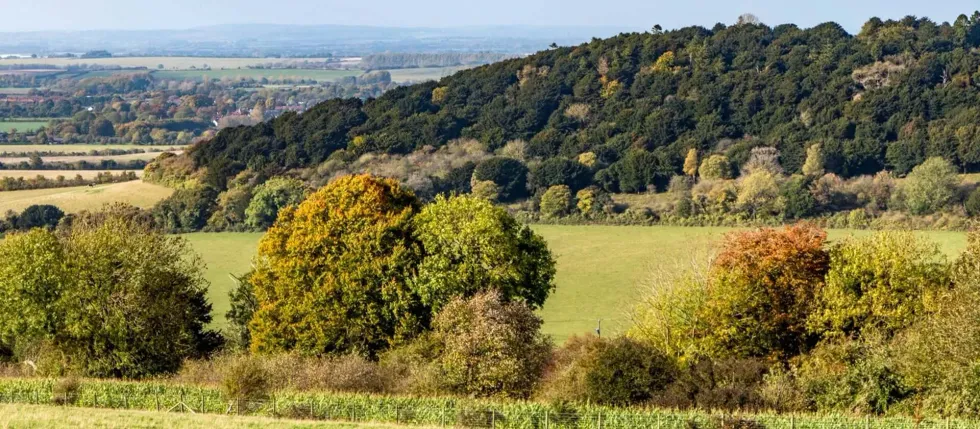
{"x":715,"y":167}
{"x":556,"y":201}
{"x":331,"y":275}
{"x":691,"y":162}
{"x":814,"y":165}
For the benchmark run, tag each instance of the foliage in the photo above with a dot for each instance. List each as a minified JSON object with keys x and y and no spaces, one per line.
{"x":146,"y":308}
{"x":271,"y":197}
{"x":331,"y":274}
{"x":814,"y":165}
{"x":510,"y":175}
{"x":881,"y":283}
{"x":929,"y":187}
{"x":244,"y":379}
{"x":691,"y":162}
{"x":39,"y":216}
{"x":798,"y":201}
{"x":559,"y":171}
{"x":759,"y":194}
{"x":490,"y":347}
{"x":592,"y":202}
{"x":471,"y":246}
{"x":715,"y":167}
{"x":556,"y":201}
{"x":186,"y":210}
{"x":972,"y":204}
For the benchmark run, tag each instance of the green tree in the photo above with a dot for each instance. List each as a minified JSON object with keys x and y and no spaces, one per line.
{"x":715,"y":167}
{"x":814,"y":165}
{"x":798,"y":200}
{"x":556,"y":201}
{"x":759,"y":194}
{"x":271,"y":197}
{"x":145,"y":307}
{"x":39,"y":216}
{"x":930,"y":187}
{"x":472,"y":246}
{"x":331,"y":275}
{"x":510,"y":175}
{"x":560,"y":171}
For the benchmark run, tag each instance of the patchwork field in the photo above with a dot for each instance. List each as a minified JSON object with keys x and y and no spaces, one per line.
{"x":601,"y":269}
{"x":44,"y":417}
{"x":79,"y":198}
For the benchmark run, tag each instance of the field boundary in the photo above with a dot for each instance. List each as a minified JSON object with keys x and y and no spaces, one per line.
{"x":428,"y":412}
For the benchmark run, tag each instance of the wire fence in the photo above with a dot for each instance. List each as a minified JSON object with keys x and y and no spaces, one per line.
{"x":201,"y":401}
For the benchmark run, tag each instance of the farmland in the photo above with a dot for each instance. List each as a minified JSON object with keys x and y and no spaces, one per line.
{"x":280,"y":74}
{"x":21,"y":126}
{"x":75,"y":199}
{"x":169,"y":63}
{"x":83,"y":149}
{"x":53,"y":174}
{"x":41,"y":417}
{"x":601,"y":269}
{"x":146,"y":156}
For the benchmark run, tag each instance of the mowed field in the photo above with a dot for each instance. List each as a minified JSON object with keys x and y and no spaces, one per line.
{"x":79,"y":198}
{"x":44,"y":417}
{"x":69,"y":174}
{"x":21,"y":126}
{"x":602,"y":270}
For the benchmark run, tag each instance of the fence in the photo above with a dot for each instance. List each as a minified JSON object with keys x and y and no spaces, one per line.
{"x":382,"y":410}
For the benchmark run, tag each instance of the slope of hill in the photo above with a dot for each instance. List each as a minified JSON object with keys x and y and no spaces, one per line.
{"x":887,"y":98}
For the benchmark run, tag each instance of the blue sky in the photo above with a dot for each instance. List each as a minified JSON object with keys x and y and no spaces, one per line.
{"x":628,"y":14}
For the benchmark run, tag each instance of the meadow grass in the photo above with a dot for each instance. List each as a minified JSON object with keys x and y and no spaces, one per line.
{"x":49,"y":416}
{"x":78,"y":198}
{"x":602,"y":270}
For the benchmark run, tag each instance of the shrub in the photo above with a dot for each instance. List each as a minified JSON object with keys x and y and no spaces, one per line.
{"x":972,"y":203}
{"x":486,"y":190}
{"x":592,"y":202}
{"x":510,"y":175}
{"x":758,"y":194}
{"x":724,"y":384}
{"x":715,"y":167}
{"x":39,"y":216}
{"x":65,"y":391}
{"x":472,"y":246}
{"x":556,"y":201}
{"x":244,"y":379}
{"x":490,"y":347}
{"x":332,"y":274}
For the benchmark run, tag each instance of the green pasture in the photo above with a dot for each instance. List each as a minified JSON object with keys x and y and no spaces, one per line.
{"x":318,"y":75}
{"x":21,"y":126}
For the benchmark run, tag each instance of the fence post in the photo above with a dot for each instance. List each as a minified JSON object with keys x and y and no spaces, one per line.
{"x":201,"y":390}
{"x":547,"y":418}
{"x":493,"y":418}
{"x":126,"y":400}
{"x":156,"y":398}
{"x":600,"y":419}
{"x":442,"y":416}
{"x":275,"y":412}
{"x":867,"y":422}
{"x":792,"y":421}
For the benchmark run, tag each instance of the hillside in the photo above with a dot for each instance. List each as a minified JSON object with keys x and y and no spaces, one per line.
{"x":887,"y":98}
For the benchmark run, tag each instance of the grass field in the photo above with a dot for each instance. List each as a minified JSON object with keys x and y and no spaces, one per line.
{"x":15,"y":91}
{"x":149,"y":156}
{"x":601,"y":269}
{"x":44,"y":417}
{"x":21,"y":126}
{"x":79,"y":198}
{"x":423,"y":74}
{"x":79,"y":148}
{"x":53,"y":174}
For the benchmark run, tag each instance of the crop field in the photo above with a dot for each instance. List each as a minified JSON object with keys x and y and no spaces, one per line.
{"x":148,"y":156}
{"x":53,"y":174}
{"x":316,"y":74}
{"x":21,"y":126}
{"x":601,"y":269}
{"x":169,"y":63}
{"x":75,"y":199}
{"x":80,"y":149}
{"x":49,"y":416}
{"x":423,"y":74}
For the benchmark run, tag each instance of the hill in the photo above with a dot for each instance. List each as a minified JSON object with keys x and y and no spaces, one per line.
{"x":889,"y":97}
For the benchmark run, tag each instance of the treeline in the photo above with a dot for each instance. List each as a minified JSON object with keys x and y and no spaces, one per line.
{"x":449,"y":59}
{"x":37,"y":163}
{"x":640,"y":102}
{"x":43,"y":182}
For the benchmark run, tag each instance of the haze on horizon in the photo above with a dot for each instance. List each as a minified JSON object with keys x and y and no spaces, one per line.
{"x":73,"y":15}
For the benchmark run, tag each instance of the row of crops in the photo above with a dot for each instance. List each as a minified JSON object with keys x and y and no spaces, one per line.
{"x":442,"y":412}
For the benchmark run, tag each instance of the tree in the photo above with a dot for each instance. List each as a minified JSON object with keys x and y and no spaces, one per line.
{"x":881,"y":283}
{"x":39,"y":216}
{"x":186,"y":209}
{"x":759,"y":194}
{"x":762,"y":289}
{"x":763,"y":159}
{"x":472,"y":246}
{"x":972,"y":204}
{"x":331,"y":275}
{"x":490,"y":347}
{"x":145,"y":306}
{"x":813,"y":167}
{"x":691,"y":162}
{"x":258,"y":112}
{"x":930,"y":187}
{"x":715,"y":167}
{"x":798,"y":201}
{"x":560,"y":171}
{"x":271,"y":197}
{"x":556,"y":201}
{"x":592,"y":202}
{"x":487,"y":190}
{"x":510,"y":175}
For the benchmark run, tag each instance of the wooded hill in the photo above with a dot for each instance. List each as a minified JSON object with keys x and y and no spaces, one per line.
{"x":887,"y":98}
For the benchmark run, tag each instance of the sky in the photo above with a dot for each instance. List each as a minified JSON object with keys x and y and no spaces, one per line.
{"x":628,"y":14}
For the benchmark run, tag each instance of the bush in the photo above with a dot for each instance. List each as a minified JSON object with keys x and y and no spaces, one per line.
{"x":65,"y":391}
{"x":510,"y":175}
{"x":244,"y":380}
{"x":490,"y":347}
{"x":39,"y":216}
{"x":972,"y":204}
{"x":556,"y":201}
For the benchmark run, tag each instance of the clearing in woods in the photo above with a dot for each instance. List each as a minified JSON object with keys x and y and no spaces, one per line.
{"x":601,"y":269}
{"x":78,"y":198}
